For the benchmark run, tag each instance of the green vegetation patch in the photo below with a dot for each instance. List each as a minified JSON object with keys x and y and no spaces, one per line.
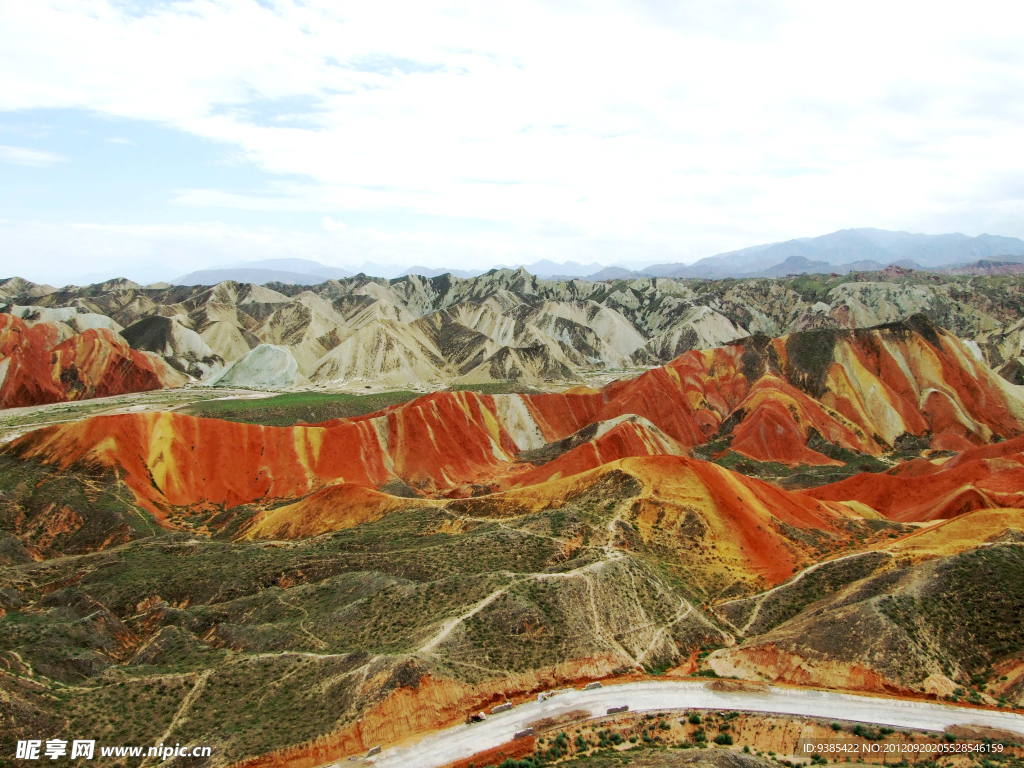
{"x":973,"y":607}
{"x":809,"y":355}
{"x":787,"y":601}
{"x":758,"y":356}
{"x":69,"y":512}
{"x":799,"y":476}
{"x":298,"y":407}
{"x":815,"y":288}
{"x":657,"y":756}
{"x":496,"y":388}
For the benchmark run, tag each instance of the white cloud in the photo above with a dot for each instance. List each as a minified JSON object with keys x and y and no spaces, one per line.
{"x":676,"y":129}
{"x":331,"y":225}
{"x":32,"y":157}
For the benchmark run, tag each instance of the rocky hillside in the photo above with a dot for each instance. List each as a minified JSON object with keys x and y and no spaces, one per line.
{"x":294,"y":595}
{"x":987,"y":477}
{"x":947,"y":621}
{"x":510,"y":326}
{"x":50,"y":362}
{"x":825,"y":398}
{"x":408,"y":619}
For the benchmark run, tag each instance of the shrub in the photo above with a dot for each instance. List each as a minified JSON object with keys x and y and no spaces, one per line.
{"x":723,"y":738}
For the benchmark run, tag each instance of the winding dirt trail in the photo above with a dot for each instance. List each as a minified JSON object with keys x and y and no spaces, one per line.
{"x":448,"y":626}
{"x":762,"y":596}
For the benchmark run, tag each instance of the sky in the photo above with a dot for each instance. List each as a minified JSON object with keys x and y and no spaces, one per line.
{"x":149,"y":139}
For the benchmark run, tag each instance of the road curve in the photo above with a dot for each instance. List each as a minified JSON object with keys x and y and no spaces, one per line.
{"x":442,"y":747}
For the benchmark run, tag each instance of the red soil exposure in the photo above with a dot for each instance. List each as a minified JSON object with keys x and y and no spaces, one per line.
{"x":99,"y":363}
{"x":897,"y":390}
{"x":988,"y":477}
{"x":446,"y":438}
{"x":870,"y":399}
{"x":754,"y":526}
{"x":330,"y":509}
{"x":177,"y":460}
{"x":431,"y":705}
{"x":769,"y":662}
{"x":874,"y":390}
{"x":971,"y":390}
{"x":626,"y":439}
{"x":778,"y":424}
{"x":36,"y":367}
{"x":24,"y":358}
{"x":751,"y":522}
{"x":455,"y":442}
{"x":687,"y":399}
{"x":171,"y":459}
{"x":748,"y":516}
{"x":1006,"y":448}
{"x":497,"y":755}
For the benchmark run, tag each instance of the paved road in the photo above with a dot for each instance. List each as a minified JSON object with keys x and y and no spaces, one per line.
{"x":462,"y":741}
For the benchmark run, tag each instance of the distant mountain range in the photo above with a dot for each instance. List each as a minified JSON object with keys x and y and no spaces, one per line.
{"x":544,"y":269}
{"x":437,"y":272}
{"x":255,"y":276}
{"x":550,"y":270}
{"x":291,"y":271}
{"x":848,"y":250}
{"x":307,"y":272}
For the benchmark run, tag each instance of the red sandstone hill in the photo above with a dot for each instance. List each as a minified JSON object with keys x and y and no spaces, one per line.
{"x":989,"y":477}
{"x":717,"y":519}
{"x":37,"y":367}
{"x":858,"y":390}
